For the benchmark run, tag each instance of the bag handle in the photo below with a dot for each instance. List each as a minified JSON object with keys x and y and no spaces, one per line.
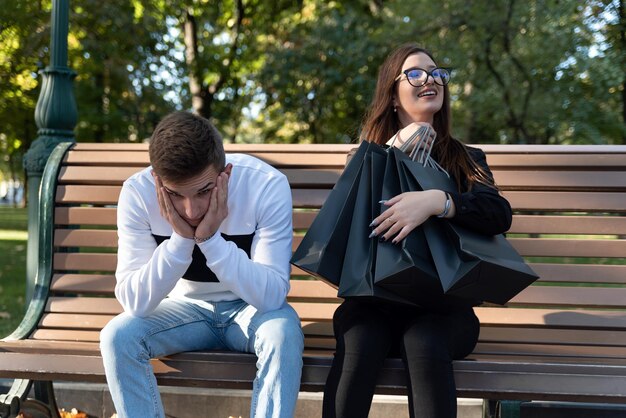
{"x":422,"y":149}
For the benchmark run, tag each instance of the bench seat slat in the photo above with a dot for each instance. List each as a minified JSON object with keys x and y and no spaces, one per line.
{"x":217,"y":370}
{"x":75,"y":321}
{"x":74,"y":335}
{"x":552,"y":318}
{"x":534,"y":335}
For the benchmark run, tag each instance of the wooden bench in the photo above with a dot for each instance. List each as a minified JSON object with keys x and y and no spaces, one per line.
{"x":563,"y":338}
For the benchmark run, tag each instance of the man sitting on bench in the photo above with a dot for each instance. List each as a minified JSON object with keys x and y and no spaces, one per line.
{"x":203,"y":264}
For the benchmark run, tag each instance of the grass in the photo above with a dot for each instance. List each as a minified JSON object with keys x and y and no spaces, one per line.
{"x":13,"y":238}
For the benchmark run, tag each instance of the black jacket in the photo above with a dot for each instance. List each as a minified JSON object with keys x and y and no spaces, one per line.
{"x":482,"y":209}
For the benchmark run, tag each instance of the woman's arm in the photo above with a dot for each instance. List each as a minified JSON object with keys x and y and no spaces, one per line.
{"x":482,"y":208}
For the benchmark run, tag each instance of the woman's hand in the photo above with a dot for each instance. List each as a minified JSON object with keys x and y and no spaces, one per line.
{"x":405,"y":133}
{"x":406,"y":212}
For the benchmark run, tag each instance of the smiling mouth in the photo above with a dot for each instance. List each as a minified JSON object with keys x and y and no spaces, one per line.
{"x":427,"y":93}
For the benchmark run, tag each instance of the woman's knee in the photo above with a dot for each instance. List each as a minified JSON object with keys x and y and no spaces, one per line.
{"x":424,"y":340}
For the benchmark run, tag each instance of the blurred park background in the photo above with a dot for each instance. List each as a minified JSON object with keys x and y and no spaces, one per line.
{"x":303,"y":71}
{"x":536,"y":71}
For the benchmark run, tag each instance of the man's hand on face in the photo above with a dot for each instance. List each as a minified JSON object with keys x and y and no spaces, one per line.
{"x":218,"y":206}
{"x":180,"y":226}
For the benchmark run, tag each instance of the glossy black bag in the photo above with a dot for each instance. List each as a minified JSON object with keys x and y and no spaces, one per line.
{"x":470,"y":265}
{"x":322,"y":250}
{"x":401,"y":273}
{"x":405,"y":269}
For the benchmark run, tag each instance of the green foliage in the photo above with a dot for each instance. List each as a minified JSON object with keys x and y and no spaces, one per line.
{"x":537,"y":71}
{"x":12,"y":268}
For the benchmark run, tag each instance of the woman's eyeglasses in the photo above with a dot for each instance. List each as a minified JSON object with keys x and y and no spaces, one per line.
{"x":417,"y":77}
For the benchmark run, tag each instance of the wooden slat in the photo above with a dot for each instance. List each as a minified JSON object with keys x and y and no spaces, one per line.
{"x":523,"y":201}
{"x":591,"y":225}
{"x":50,"y":347}
{"x":567,"y":201}
{"x":553,"y":161}
{"x":555,"y":351}
{"x":507,"y":150}
{"x":557,"y":318}
{"x":526,"y":149}
{"x":108,"y":195}
{"x":85,"y":216}
{"x":74,"y":322}
{"x":569,"y":247}
{"x":85,"y":261}
{"x":104,"y":175}
{"x":312,"y":290}
{"x":85,"y":238}
{"x":83,"y":305}
{"x":94,"y":195}
{"x":72,"y":335}
{"x":584,"y":273}
{"x":303,"y":219}
{"x":89,"y":305}
{"x":503,"y":334}
{"x":137,"y":158}
{"x":88,"y":175}
{"x":561,"y":180}
{"x":83,"y":283}
{"x":590,"y":297}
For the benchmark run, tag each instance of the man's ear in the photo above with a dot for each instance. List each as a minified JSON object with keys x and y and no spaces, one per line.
{"x":228,"y":169}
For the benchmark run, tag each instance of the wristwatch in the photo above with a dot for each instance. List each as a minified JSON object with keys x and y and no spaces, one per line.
{"x":199,"y":240}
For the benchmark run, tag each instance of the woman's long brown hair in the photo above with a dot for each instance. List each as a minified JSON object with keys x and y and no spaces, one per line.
{"x":381,"y":122}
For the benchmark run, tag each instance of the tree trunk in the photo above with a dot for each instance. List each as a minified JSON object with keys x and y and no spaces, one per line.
{"x":198,"y":94}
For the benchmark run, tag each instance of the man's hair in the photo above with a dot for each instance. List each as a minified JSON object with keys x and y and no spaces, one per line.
{"x":183,"y":145}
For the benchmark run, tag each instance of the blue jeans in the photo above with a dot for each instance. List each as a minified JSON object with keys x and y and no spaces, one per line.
{"x":128,"y":343}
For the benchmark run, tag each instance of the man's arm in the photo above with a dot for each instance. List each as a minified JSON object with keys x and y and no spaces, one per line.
{"x":145,"y":273}
{"x":263,"y":279}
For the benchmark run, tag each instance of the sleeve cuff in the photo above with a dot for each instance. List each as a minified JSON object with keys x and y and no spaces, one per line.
{"x":179,"y":242}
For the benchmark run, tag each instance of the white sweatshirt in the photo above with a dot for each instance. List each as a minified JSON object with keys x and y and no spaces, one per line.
{"x":259,"y":217}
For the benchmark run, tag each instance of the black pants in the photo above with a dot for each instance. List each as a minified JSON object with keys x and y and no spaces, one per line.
{"x":369,"y":331}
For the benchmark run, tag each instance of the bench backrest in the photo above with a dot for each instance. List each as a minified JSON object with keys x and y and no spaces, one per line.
{"x":569,"y":223}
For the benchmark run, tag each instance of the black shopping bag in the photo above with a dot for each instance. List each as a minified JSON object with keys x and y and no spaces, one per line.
{"x":321,"y":252}
{"x":357,"y":276}
{"x":469,"y":264}
{"x":405,"y":269}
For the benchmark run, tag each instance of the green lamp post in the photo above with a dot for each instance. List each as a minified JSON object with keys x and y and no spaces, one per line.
{"x":56,"y":117}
